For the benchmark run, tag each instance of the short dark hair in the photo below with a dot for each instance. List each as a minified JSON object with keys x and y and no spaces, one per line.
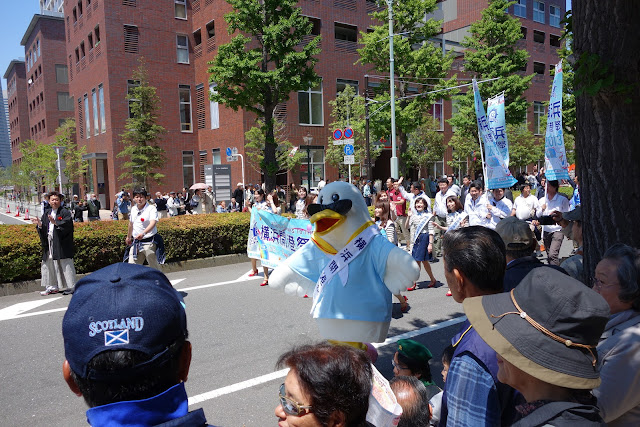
{"x":440,"y":180}
{"x":154,"y":380}
{"x":526,"y":184}
{"x":415,"y":407}
{"x":54,"y":193}
{"x":447,"y":354}
{"x":628,"y":272}
{"x":476,"y":184}
{"x":478,"y":253}
{"x":554,"y":183}
{"x":416,"y":366}
{"x":520,"y":253}
{"x":467,"y":176}
{"x":417,"y":185}
{"x":260,"y":191}
{"x":458,"y":205}
{"x":336,"y":378}
{"x":139,"y":190}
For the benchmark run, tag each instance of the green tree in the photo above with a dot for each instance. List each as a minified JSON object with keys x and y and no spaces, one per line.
{"x":144,"y":157}
{"x":75,"y":165}
{"x":491,"y":53}
{"x":523,"y":147}
{"x":38,"y":165}
{"x":347,"y":110}
{"x":419,"y":67}
{"x":424,"y":145}
{"x":256,"y":140}
{"x":269,"y":58}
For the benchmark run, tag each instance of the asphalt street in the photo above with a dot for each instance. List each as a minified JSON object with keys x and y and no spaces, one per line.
{"x":237,"y":329}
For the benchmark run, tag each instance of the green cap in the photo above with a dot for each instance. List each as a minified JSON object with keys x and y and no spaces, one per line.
{"x":414,"y":350}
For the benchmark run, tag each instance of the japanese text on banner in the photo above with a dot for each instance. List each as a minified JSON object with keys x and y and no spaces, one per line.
{"x":495,"y":116}
{"x":556,"y":165}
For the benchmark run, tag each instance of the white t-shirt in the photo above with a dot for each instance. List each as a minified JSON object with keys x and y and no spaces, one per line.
{"x":526,"y":207}
{"x":559,"y":203}
{"x":142,"y":218}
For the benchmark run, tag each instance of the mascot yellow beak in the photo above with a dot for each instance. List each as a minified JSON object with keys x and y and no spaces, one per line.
{"x":326,"y":220}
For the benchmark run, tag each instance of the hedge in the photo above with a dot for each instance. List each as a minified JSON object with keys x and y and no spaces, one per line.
{"x":101,"y":243}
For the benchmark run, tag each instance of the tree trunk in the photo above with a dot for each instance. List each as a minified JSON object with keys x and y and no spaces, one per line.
{"x":270,"y":165}
{"x":607,"y":128}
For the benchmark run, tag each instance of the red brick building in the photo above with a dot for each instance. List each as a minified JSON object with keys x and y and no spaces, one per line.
{"x":16,"y":76}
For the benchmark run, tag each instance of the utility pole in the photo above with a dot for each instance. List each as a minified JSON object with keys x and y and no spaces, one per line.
{"x":366,"y":124}
{"x":392,"y":91}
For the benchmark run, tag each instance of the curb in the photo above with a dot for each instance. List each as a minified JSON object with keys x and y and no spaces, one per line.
{"x":16,"y":288}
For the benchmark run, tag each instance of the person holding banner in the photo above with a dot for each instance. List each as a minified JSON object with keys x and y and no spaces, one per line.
{"x":498,"y":208}
{"x":476,"y":205}
{"x":268,"y":205}
{"x":551,"y":234}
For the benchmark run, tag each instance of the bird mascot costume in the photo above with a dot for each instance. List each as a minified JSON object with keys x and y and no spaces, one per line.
{"x":351,"y":269}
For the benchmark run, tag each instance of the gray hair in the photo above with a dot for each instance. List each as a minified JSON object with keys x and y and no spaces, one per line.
{"x":415,"y":403}
{"x":628,"y":272}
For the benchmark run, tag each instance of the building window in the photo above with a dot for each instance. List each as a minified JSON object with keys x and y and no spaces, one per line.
{"x":554,"y":16}
{"x":346,"y":32}
{"x":211,"y":29}
{"x":87,"y":118}
{"x":132,"y":84}
{"x":538,"y":68}
{"x":65,"y":103}
{"x":317,"y":26}
{"x":310,"y":106}
{"x":316,"y":161}
{"x":79,"y":7}
{"x":197,"y":37}
{"x":523,"y":31}
{"x":130,"y":39}
{"x":215,"y":156}
{"x":554,"y":41}
{"x":180,"y":9}
{"x":75,"y":15}
{"x":187,"y":169}
{"x":103,"y":122}
{"x":538,"y":36}
{"x":200,"y":112}
{"x":94,"y":101}
{"x":96,"y":31}
{"x":185,"y":108}
{"x":437,"y":114}
{"x":77,"y":55}
{"x":343,"y":83}
{"x":538,"y":11}
{"x":38,"y":46}
{"x":538,"y":114}
{"x":80,"y":115}
{"x":182,"y":43}
{"x":520,"y":8}
{"x":90,"y":38}
{"x":213,"y":108}
{"x":82,"y":50}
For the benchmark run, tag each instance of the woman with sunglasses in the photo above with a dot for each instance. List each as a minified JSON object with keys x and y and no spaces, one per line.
{"x":320,"y":394}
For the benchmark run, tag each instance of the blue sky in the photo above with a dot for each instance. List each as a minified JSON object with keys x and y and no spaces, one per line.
{"x":17,"y":15}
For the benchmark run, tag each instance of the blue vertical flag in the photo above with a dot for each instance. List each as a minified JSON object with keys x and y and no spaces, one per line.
{"x":495,"y":116}
{"x":555,"y":165}
{"x":498,"y":174}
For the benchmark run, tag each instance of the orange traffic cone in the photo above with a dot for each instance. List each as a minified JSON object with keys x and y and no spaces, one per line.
{"x":26,"y":215}
{"x":8,"y":208}
{"x":17,"y":212}
{"x":542,"y":247}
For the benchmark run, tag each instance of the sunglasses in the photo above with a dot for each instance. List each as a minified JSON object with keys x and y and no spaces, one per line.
{"x":292,"y":407}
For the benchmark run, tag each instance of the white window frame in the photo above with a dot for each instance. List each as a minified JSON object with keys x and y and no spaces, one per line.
{"x":214,"y":109}
{"x":131,"y":84}
{"x":537,"y":12}
{"x":554,"y":18}
{"x":182,"y":47}
{"x":310,"y":92}
{"x":439,"y":102}
{"x":175,"y":8}
{"x":180,"y":107}
{"x":96,"y":113}
{"x":87,"y":117}
{"x":538,"y":113}
{"x":314,"y":163}
{"x":520,"y":8}
{"x":186,"y":154}
{"x":103,"y":121}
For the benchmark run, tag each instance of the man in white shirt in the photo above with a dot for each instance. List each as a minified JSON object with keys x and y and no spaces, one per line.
{"x":142,"y":229}
{"x":440,"y":213}
{"x":526,"y":206}
{"x":498,"y":208}
{"x":476,"y":205}
{"x":551,"y":234}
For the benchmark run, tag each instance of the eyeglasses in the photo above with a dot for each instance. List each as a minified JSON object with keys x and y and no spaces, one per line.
{"x":290,"y":406}
{"x":395,"y":365}
{"x":599,"y":284}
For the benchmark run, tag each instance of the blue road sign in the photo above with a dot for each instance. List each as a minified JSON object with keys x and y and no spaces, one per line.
{"x":348,"y":150}
{"x":228,"y":151}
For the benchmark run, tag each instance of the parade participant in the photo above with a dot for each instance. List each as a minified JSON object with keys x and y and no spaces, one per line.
{"x":268,"y":206}
{"x":413,"y":397}
{"x":476,"y":205}
{"x":421,"y":225}
{"x":130,"y":370}
{"x":498,"y":208}
{"x":453,"y":186}
{"x":617,"y":280}
{"x":399,"y":209}
{"x":542,"y":188}
{"x":571,"y":223}
{"x":316,"y":393}
{"x":456,"y":218}
{"x":93,"y":208}
{"x":526,"y":206}
{"x":388,"y":229}
{"x":143,"y":241}
{"x":474,"y":264}
{"x":466,"y":184}
{"x":575,"y":198}
{"x":301,"y":204}
{"x":412,"y":359}
{"x":55,"y":229}
{"x":415,"y":192}
{"x":545,"y":333}
{"x":551,"y":234}
{"x":440,"y":213}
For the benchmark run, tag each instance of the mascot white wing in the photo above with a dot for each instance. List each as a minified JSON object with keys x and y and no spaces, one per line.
{"x":401,"y":271}
{"x":294,"y":284}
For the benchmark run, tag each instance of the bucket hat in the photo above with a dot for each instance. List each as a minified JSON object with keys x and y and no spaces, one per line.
{"x":548,"y":326}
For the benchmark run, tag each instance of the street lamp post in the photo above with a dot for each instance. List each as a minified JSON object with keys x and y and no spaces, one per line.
{"x":392,"y":93}
{"x":308,"y":139}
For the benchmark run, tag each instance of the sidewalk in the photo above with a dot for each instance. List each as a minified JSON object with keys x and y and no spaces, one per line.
{"x":36,"y":210}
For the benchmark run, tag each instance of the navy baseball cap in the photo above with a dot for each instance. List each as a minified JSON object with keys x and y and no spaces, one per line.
{"x":123,"y":307}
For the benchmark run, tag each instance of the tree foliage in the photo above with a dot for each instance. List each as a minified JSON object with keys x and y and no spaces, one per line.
{"x":424,"y":145}
{"x":75,"y":166}
{"x":38,"y":165}
{"x":347,"y":110}
{"x":269,"y":57}
{"x":419,"y":66}
{"x":523,"y":147}
{"x":256,"y":140}
{"x":144,"y":157}
{"x":491,"y":52}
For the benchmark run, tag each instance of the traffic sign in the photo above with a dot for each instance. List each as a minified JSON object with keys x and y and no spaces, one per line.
{"x":230,"y":158}
{"x":337,"y":134}
{"x":228,"y":151}
{"x":338,"y":142}
{"x":234,"y":151}
{"x":348,"y":141}
{"x":348,"y":150}
{"x":348,"y":133}
{"x":350,"y":160}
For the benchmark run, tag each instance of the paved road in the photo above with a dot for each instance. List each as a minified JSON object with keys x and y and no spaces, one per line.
{"x":237,"y":328}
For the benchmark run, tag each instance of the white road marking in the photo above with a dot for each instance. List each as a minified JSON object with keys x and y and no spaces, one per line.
{"x":16,"y":310}
{"x":176,"y":281}
{"x":283,"y":372}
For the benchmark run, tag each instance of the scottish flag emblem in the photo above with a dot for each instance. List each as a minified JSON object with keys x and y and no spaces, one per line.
{"x":116,"y":337}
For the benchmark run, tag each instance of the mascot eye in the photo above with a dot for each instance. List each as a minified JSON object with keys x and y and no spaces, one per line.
{"x":335,"y":197}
